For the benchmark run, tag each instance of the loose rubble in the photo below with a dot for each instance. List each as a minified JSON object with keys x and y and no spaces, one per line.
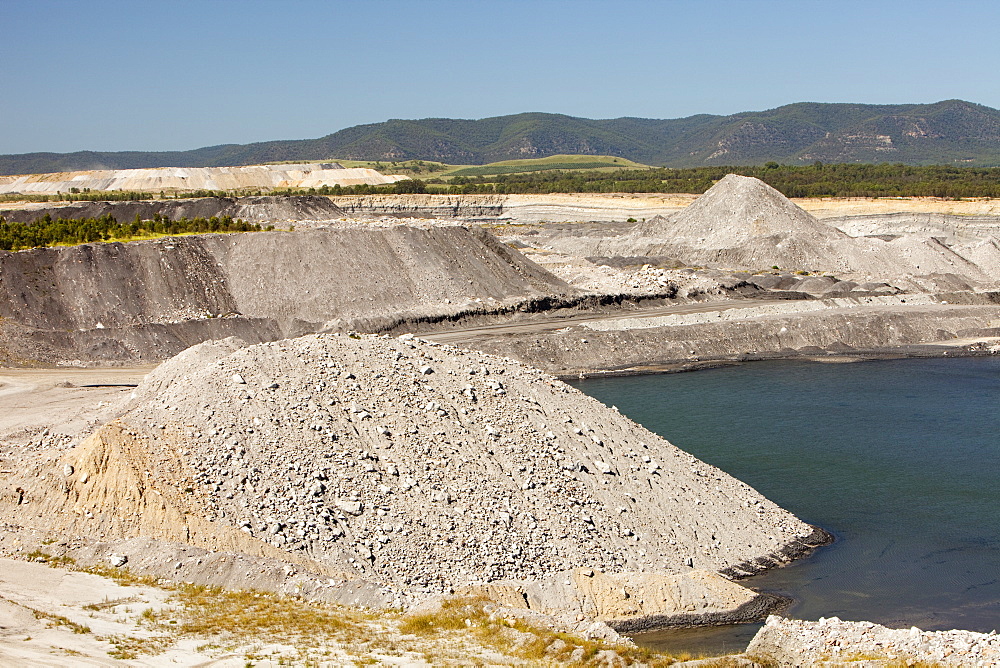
{"x":424,"y":468}
{"x":830,"y":641}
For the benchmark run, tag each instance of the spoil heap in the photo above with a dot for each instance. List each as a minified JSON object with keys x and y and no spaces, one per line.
{"x":743,"y":223}
{"x":152,"y":299}
{"x":743,"y":220}
{"x":408,"y":464}
{"x":307,"y":175}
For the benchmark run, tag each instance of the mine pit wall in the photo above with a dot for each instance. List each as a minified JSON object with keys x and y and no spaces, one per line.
{"x":527,"y":209}
{"x":954,"y":228}
{"x":280,"y":211}
{"x":782,"y":336}
{"x":262,"y":209}
{"x":116,"y":285}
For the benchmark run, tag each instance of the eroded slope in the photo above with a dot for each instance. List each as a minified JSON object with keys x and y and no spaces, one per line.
{"x":149,"y":300}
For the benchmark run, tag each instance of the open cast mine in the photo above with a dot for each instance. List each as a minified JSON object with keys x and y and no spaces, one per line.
{"x":369,"y":409}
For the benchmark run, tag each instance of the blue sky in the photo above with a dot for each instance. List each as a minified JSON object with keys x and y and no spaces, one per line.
{"x":144,"y":75}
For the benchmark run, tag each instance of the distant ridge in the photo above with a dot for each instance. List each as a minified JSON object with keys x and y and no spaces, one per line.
{"x":948,"y":132}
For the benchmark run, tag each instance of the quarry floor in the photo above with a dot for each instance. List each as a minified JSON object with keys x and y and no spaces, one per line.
{"x":820,"y":207}
{"x":38,"y":403}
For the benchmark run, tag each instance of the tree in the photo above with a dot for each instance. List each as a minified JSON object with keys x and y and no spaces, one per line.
{"x":409,"y":186}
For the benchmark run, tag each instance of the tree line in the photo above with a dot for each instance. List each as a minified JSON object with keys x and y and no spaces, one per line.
{"x":817,"y":180}
{"x":47,"y":231}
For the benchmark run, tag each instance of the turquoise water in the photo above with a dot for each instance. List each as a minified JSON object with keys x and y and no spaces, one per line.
{"x":899,"y":459}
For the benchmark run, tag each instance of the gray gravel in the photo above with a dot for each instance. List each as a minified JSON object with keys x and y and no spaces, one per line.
{"x":428,"y":467}
{"x":791,"y":642}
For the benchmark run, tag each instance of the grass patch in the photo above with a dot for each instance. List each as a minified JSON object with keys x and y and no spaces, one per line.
{"x":439,"y":170}
{"x":576,"y":159}
{"x":104,"y":605}
{"x":515,"y":637}
{"x":124,"y":576}
{"x":495,"y":170}
{"x":216,"y":611}
{"x":59,"y":620}
{"x":54,"y":619}
{"x":62,"y":561}
{"x":129,"y":647}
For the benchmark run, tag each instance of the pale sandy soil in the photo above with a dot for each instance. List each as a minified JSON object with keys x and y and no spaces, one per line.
{"x":44,"y":620}
{"x":827,"y":207}
{"x":52,"y":616}
{"x":820,"y":207}
{"x":33,"y":400}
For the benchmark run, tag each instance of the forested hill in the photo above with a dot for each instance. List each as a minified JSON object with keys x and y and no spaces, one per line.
{"x":949,"y":132}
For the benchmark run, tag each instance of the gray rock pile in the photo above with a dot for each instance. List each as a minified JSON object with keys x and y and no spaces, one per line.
{"x":792,"y":642}
{"x":427,"y":467}
{"x":742,"y":219}
{"x":741,"y":222}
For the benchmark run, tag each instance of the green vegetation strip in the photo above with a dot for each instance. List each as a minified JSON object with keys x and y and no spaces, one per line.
{"x":817,"y":180}
{"x":493,"y":170}
{"x":87,"y":195}
{"x":566,"y":175}
{"x":48,"y":232}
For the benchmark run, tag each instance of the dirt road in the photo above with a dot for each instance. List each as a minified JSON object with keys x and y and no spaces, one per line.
{"x":61,"y":400}
{"x":464,"y":335}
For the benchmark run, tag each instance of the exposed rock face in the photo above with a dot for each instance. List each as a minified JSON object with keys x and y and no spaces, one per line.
{"x":306,"y":175}
{"x":950,"y":228}
{"x":412,"y":466}
{"x":469,"y":207}
{"x":632,"y":602}
{"x":263,"y":209}
{"x":149,"y":300}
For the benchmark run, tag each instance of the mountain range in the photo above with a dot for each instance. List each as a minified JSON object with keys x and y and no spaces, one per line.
{"x":948,"y":132}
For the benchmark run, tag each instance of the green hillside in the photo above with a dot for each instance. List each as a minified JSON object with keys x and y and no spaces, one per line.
{"x":951,"y":132}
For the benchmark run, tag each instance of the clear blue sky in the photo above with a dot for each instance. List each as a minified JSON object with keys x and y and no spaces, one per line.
{"x":167,"y":75}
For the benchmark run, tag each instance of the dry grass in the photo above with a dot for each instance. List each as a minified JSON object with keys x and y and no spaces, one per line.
{"x":124,"y":576}
{"x":288,"y":630}
{"x":213,"y":611}
{"x":104,"y":605}
{"x":60,"y":561}
{"x":53,"y":619}
{"x":885,"y":660}
{"x":471,"y":618}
